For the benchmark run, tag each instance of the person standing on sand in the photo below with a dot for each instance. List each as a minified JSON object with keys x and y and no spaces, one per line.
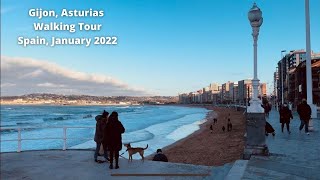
{"x":304,"y":112}
{"x":223,"y":128}
{"x":211,"y":128}
{"x":98,"y":136}
{"x":113,"y":139}
{"x":229,"y":125}
{"x":285,"y":116}
{"x":215,"y":120}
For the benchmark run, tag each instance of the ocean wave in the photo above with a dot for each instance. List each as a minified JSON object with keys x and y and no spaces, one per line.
{"x":137,"y":136}
{"x":61,"y":118}
{"x":5,"y":131}
{"x":62,"y":114}
{"x":25,"y":123}
{"x":184,"y":130}
{"x":87,"y":116}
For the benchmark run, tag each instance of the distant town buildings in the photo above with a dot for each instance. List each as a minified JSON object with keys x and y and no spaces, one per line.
{"x":290,"y":78}
{"x":230,"y":92}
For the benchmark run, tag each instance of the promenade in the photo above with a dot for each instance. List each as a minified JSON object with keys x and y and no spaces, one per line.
{"x":293,"y":156}
{"x":79,"y":164}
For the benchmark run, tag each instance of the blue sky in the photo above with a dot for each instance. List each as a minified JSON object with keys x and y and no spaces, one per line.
{"x":167,"y":46}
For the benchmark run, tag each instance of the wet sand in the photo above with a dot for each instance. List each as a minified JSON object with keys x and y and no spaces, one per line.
{"x":211,"y":149}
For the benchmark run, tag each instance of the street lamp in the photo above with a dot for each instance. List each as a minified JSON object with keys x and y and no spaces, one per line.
{"x":282,"y":98}
{"x":309,"y":68}
{"x":255,"y":18}
{"x":255,"y":125}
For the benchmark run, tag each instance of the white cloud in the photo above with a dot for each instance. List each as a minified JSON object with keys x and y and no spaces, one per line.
{"x":3,"y":85}
{"x":47,"y":84}
{"x":26,"y":75}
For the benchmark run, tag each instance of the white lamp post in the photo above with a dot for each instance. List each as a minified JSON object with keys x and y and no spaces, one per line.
{"x":255,"y":18}
{"x":308,"y":68}
{"x":282,"y":98}
{"x":255,"y":125}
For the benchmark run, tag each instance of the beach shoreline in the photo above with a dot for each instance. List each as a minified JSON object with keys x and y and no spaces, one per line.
{"x":211,"y":149}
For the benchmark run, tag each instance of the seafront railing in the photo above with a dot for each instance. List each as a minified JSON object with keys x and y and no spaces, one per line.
{"x":64,"y":135}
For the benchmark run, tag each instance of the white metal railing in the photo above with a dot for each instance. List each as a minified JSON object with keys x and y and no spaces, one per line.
{"x":64,"y":135}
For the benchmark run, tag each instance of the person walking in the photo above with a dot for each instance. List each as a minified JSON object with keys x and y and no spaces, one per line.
{"x":211,"y":129}
{"x":98,"y":136}
{"x":304,"y":112}
{"x":112,"y":138}
{"x":267,"y":109}
{"x":285,"y":116}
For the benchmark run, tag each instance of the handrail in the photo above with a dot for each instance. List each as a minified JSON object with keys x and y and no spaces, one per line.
{"x":64,"y":135}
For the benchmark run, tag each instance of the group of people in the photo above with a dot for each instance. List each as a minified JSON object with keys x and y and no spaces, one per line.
{"x":285,"y":113}
{"x":108,"y":133}
{"x":229,"y":125}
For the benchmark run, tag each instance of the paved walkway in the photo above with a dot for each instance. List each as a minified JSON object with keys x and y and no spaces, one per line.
{"x":79,"y":164}
{"x":293,"y":156}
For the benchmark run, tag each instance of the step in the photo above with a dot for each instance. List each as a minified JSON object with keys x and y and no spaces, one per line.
{"x":280,"y":167}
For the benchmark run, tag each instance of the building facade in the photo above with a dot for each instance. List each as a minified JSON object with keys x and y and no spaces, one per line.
{"x":291,"y":81}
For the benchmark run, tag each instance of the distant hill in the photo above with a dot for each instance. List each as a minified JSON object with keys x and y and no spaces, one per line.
{"x":45,"y":98}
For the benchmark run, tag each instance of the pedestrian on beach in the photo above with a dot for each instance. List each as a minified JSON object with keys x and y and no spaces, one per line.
{"x":112,"y":138}
{"x":211,"y":128}
{"x":160,"y":157}
{"x":229,"y":125}
{"x":304,"y":112}
{"x":98,"y":136}
{"x":223,"y":128}
{"x":285,"y":116}
{"x":215,"y":120}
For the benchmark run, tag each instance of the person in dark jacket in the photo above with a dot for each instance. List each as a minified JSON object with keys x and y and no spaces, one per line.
{"x":269,"y":129}
{"x":285,"y":116}
{"x":98,"y":136}
{"x":160,"y":157}
{"x":267,"y":109}
{"x":112,"y":138}
{"x":304,"y":112}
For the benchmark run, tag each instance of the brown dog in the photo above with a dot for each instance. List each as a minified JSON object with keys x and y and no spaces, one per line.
{"x":133,"y":151}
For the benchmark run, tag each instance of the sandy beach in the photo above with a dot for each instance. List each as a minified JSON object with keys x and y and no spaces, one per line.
{"x":211,"y":149}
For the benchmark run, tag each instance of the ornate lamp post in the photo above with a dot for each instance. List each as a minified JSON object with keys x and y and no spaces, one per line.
{"x":255,"y":18}
{"x":255,"y":139}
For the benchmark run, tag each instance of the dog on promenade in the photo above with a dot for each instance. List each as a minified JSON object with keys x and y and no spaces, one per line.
{"x":132,"y":151}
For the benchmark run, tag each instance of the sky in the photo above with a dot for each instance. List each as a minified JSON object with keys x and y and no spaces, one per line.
{"x":165,"y":47}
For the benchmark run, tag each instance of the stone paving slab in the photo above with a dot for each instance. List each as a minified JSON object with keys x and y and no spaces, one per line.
{"x":254,"y":173}
{"x":293,"y":156}
{"x":73,"y":164}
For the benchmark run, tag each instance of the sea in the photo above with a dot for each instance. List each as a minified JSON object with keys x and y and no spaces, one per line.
{"x":155,"y":126}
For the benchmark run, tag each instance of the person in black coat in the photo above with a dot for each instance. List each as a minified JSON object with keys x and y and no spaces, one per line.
{"x":269,"y":129}
{"x":98,"y":136}
{"x":160,"y":157}
{"x":304,"y":112}
{"x":285,"y":116}
{"x":112,"y":138}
